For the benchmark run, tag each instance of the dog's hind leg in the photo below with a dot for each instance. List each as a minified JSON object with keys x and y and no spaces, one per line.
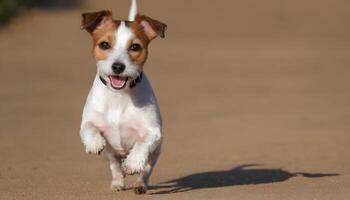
{"x":115,"y":167}
{"x":141,"y":184}
{"x":137,"y":159}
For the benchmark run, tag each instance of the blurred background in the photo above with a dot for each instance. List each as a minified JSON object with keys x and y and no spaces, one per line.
{"x":9,"y":8}
{"x":254,"y":96}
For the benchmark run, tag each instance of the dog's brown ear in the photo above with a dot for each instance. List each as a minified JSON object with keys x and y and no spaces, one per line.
{"x":92,"y":20}
{"x":151,"y":27}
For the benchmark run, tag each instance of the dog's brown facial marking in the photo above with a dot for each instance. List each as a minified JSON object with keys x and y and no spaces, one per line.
{"x":138,"y":45}
{"x":104,"y":39}
{"x":145,"y":30}
{"x":102,"y":28}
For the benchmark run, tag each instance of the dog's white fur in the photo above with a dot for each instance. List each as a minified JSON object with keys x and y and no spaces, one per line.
{"x":123,"y":123}
{"x":129,"y":121}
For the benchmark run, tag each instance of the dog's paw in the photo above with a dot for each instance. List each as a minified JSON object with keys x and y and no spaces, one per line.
{"x":95,"y":144}
{"x":140,"y":188}
{"x":133,"y":165}
{"x":117,"y":185}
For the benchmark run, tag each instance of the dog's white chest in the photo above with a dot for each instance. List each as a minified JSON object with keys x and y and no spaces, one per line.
{"x":123,"y":119}
{"x":121,"y":125}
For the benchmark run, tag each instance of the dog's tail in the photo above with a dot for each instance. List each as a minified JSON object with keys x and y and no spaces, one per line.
{"x":133,"y":10}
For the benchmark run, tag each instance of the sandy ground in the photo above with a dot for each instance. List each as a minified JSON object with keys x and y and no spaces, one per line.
{"x":255,"y":97}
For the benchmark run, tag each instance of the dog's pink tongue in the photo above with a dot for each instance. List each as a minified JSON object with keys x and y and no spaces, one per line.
{"x":117,"y":81}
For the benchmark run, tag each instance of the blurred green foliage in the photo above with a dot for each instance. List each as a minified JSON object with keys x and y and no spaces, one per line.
{"x":9,"y":8}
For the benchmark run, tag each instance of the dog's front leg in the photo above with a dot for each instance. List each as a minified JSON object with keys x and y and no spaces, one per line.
{"x":137,"y":159}
{"x":91,"y":138}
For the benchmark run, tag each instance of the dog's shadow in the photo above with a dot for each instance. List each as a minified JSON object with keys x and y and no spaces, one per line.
{"x":241,"y":175}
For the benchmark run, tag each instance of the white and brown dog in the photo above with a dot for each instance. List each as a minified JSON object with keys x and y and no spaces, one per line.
{"x":121,"y":117}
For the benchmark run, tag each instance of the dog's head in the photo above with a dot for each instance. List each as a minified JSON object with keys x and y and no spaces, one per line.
{"x":120,"y":48}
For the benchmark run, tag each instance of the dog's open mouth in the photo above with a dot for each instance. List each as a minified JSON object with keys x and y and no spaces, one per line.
{"x":118,"y":82}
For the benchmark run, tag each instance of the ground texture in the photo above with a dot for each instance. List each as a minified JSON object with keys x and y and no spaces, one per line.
{"x":255,"y":97}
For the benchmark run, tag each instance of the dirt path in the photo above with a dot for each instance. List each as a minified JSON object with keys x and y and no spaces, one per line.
{"x":254,"y":95}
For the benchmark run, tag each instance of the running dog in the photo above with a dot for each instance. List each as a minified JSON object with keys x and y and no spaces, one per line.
{"x":121,"y":117}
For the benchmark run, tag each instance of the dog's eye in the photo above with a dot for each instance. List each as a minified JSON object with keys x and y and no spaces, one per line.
{"x":135,"y":47}
{"x":104,"y":45}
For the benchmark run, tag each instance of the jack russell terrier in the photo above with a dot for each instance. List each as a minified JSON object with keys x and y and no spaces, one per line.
{"x":121,"y":117}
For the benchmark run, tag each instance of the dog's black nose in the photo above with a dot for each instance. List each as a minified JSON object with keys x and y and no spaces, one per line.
{"x":118,"y":68}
